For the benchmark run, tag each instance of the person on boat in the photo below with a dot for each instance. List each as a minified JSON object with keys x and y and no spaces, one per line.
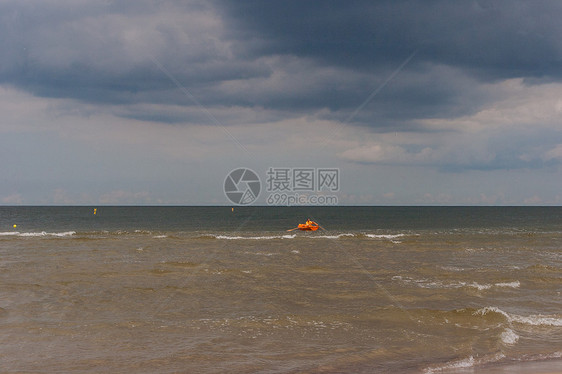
{"x":309,"y":222}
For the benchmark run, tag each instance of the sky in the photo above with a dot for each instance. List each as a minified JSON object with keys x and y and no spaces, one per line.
{"x":156,"y":102}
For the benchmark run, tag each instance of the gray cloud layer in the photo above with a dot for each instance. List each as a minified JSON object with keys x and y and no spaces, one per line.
{"x":291,"y":58}
{"x":236,"y":54}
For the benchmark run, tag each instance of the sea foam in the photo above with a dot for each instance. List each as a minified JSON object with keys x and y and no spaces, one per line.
{"x":531,"y":320}
{"x":227,"y":237}
{"x":464,"y":363}
{"x":384,"y":236}
{"x":509,"y":337}
{"x":37,"y":234}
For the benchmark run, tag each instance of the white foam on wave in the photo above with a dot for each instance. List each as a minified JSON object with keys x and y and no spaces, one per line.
{"x":37,"y":234}
{"x":9,"y":233}
{"x":538,"y":320}
{"x":160,"y":236}
{"x":509,"y":337}
{"x":333,"y":236}
{"x":452,"y":268}
{"x":384,"y":236}
{"x":479,"y":287}
{"x":514,"y":284}
{"x":465,"y":363}
{"x":459,"y":364}
{"x":26,"y":234}
{"x":427,"y":283}
{"x":226,"y":237}
{"x":532,"y":320}
{"x":67,"y":233}
{"x":482,"y":287}
{"x":313,"y":236}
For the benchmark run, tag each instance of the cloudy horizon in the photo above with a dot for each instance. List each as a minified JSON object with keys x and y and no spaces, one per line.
{"x":155,"y":102}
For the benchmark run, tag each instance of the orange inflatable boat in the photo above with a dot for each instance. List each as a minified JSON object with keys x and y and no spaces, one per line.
{"x":310,"y":227}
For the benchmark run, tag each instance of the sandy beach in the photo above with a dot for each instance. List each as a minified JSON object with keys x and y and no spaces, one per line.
{"x":532,"y":367}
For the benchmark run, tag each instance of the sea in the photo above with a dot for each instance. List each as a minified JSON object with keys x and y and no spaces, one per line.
{"x":237,"y":290}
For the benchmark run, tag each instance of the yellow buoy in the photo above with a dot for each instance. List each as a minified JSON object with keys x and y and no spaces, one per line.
{"x":15,"y":226}
{"x":95,"y":210}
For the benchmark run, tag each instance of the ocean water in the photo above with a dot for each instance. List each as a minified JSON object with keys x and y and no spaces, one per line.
{"x":211,"y":290}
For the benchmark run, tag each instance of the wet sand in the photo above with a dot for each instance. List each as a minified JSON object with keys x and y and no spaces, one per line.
{"x":529,"y":367}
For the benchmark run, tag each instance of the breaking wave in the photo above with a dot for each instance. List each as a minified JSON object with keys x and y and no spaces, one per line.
{"x":427,"y":283}
{"x":194,"y":235}
{"x":37,"y":234}
{"x":464,"y":363}
{"x":268,"y":237}
{"x":531,"y":320}
{"x":384,"y":236}
{"x":307,"y":236}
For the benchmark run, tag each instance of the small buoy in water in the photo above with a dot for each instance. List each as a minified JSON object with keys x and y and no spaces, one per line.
{"x":15,"y":226}
{"x":95,"y":210}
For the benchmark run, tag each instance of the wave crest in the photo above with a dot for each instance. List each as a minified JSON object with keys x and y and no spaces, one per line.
{"x":267,"y":237}
{"x":437,"y":284}
{"x":37,"y":234}
{"x":531,"y":320}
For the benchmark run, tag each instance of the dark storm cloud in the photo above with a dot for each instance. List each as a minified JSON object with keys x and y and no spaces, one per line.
{"x":479,"y":42}
{"x":111,"y":52}
{"x":495,"y":39}
{"x":289,"y":57}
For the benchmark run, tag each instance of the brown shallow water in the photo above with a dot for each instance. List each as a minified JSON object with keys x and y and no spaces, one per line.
{"x":242,"y":302}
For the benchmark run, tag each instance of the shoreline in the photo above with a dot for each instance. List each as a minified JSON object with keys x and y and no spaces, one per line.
{"x":548,"y":366}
